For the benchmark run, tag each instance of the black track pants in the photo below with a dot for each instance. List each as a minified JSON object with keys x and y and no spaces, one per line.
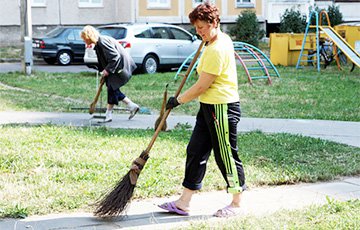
{"x":215,"y":129}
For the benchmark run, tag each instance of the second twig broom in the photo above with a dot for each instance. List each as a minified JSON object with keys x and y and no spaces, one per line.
{"x":116,"y":201}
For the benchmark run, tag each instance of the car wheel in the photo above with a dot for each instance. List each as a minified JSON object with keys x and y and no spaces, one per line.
{"x":150,"y":64}
{"x":50,"y":61}
{"x":64,"y":57}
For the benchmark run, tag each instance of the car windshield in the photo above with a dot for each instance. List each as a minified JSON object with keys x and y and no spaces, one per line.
{"x":115,"y":32}
{"x":55,"y":32}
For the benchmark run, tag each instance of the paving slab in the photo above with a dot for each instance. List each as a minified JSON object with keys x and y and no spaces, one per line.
{"x":353,"y":180}
{"x":145,"y":214}
{"x":339,"y":131}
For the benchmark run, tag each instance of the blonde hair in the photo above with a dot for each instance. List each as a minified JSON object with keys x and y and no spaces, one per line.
{"x":89,"y":32}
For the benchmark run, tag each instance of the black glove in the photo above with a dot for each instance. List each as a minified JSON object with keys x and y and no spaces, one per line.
{"x":172,"y":103}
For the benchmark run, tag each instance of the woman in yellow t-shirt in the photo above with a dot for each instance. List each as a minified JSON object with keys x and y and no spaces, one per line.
{"x":218,"y":116}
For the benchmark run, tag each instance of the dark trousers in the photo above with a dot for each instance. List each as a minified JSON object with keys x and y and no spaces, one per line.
{"x":113,"y":83}
{"x":215,"y":129}
{"x":114,"y":95}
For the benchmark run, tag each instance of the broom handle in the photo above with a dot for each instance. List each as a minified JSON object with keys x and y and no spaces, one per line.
{"x":167,"y":112}
{"x":98,"y":92}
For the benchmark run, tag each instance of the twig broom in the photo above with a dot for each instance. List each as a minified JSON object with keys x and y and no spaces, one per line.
{"x":116,"y":201}
{"x":98,"y":92}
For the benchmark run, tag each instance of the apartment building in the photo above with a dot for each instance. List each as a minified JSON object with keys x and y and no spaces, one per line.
{"x":47,"y":14}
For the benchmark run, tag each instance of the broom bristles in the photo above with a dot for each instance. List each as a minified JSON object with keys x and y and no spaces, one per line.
{"x":116,"y":201}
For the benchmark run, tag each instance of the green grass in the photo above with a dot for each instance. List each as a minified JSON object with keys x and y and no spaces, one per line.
{"x":305,"y":93}
{"x":333,"y":215}
{"x":49,"y":169}
{"x":10,"y":52}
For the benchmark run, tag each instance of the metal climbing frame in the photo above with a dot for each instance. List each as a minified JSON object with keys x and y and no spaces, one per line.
{"x":185,"y":65}
{"x":259,"y":67}
{"x":244,"y":52}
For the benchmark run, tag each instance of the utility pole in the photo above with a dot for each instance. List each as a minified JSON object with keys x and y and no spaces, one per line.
{"x":59,"y":11}
{"x":26,"y":35}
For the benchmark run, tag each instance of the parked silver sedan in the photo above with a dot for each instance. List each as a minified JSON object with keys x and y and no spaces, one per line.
{"x":152,"y":46}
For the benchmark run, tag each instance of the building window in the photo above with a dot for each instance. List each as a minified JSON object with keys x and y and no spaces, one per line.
{"x":158,"y":4}
{"x":195,"y":3}
{"x":38,"y":3}
{"x":90,"y":3}
{"x":244,"y":3}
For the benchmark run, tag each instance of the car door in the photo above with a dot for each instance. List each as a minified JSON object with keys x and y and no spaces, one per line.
{"x":166,"y":48}
{"x":76,"y":44}
{"x":186,"y":44}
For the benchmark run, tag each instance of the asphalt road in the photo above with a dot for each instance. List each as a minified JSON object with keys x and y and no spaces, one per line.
{"x":44,"y":67}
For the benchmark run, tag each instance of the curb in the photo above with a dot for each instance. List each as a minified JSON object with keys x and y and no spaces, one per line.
{"x":14,"y":60}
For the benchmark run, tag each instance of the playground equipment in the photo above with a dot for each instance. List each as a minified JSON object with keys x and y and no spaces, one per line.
{"x":255,"y":63}
{"x":259,"y":65}
{"x":351,"y":32}
{"x":185,"y":65}
{"x":337,"y":41}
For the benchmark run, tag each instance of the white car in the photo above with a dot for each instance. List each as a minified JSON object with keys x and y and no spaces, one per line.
{"x":152,"y":46}
{"x":90,"y":58}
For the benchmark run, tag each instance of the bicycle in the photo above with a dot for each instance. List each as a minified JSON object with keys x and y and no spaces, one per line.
{"x":327,"y":55}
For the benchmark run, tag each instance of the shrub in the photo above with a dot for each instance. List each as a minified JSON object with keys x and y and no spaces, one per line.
{"x":247,"y":28}
{"x":292,"y":22}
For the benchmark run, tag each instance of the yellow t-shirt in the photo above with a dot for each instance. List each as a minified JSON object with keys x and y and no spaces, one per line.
{"x":218,"y":59}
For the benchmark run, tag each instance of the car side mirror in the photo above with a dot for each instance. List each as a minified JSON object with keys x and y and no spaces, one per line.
{"x":194,"y":38}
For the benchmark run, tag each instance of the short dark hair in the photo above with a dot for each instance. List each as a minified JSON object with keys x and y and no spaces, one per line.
{"x":205,"y":12}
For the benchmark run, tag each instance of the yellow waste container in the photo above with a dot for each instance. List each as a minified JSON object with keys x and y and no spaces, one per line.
{"x":285,"y":48}
{"x":351,"y":33}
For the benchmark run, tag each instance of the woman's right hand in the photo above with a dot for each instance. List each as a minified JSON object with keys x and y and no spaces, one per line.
{"x":104,"y":73}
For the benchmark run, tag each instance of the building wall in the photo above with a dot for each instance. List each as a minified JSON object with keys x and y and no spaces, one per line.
{"x":180,"y":9}
{"x":144,"y":11}
{"x":9,"y":12}
{"x":169,"y":15}
{"x":233,"y":10}
{"x":276,"y":8}
{"x":68,"y":12}
{"x":122,"y":11}
{"x":349,"y":10}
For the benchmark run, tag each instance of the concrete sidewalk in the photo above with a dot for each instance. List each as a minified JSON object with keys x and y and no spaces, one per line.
{"x":146,"y":215}
{"x":339,"y":131}
{"x":259,"y":201}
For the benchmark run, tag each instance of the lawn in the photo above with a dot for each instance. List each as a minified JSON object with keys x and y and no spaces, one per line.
{"x":12,"y":52}
{"x":49,"y":169}
{"x":305,"y":93}
{"x":333,"y":215}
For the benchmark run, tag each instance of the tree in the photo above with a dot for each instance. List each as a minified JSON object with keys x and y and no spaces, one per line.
{"x":333,"y":11}
{"x":335,"y":15}
{"x":247,"y":28}
{"x":292,"y":22}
